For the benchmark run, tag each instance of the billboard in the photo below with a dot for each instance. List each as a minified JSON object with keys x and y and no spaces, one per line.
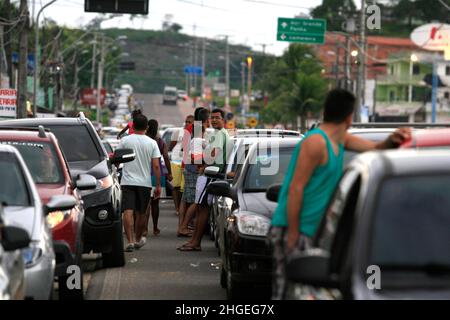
{"x":432,"y":36}
{"x":8,"y":102}
{"x":88,"y":96}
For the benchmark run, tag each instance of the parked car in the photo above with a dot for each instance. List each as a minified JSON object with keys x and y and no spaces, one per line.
{"x":50,"y":172}
{"x":247,"y":133}
{"x":385,"y":233}
{"x":85,"y":154}
{"x":429,"y":138}
{"x":182,"y":95}
{"x":246,"y":257}
{"x":12,"y":268}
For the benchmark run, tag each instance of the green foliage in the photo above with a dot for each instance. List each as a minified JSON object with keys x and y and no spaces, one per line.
{"x":335,"y":12}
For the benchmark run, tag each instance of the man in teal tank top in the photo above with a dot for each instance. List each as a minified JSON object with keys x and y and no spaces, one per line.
{"x":313,"y":174}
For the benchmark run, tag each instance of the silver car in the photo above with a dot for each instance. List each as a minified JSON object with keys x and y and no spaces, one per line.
{"x":23,"y":208}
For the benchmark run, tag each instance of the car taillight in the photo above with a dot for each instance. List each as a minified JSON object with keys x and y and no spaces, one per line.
{"x":56,"y":217}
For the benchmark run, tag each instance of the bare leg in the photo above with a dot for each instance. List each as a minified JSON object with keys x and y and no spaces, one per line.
{"x":128,"y":225}
{"x":177,"y":199}
{"x":140,"y":225}
{"x":155,"y":216}
{"x":181,"y":214}
{"x":187,"y":218}
{"x":147,"y":218}
{"x":200,"y":226}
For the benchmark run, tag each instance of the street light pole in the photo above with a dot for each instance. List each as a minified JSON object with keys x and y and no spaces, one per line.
{"x":227,"y":72}
{"x":203,"y":65}
{"x":100,"y":79}
{"x":94,"y":54}
{"x":249,"y":81}
{"x":36,"y":51}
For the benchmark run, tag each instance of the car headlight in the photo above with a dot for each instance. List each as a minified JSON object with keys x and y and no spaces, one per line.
{"x":103,"y":183}
{"x":33,"y":253}
{"x":56,"y":217}
{"x":252,"y":224}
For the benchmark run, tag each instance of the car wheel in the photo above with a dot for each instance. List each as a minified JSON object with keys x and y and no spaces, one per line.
{"x":223,"y":278}
{"x":234,"y":290}
{"x":116,"y":257}
{"x":68,"y":293}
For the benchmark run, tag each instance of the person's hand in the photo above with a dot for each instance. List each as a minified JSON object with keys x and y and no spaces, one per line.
{"x":292,"y":239}
{"x":399,"y":136}
{"x":157,"y":192}
{"x":169,"y":177}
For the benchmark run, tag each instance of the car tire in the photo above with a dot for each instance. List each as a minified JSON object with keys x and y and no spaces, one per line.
{"x":234,"y":290}
{"x":65,"y":293}
{"x":116,"y":257}
{"x":223,"y":278}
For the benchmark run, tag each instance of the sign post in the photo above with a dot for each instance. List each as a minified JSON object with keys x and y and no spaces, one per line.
{"x":8,"y":103}
{"x":310,"y":31}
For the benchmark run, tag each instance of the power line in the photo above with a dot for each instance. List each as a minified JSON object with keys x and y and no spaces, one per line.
{"x":444,"y":4}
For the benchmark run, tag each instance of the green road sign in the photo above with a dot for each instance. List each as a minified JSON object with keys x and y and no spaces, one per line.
{"x":302,"y":30}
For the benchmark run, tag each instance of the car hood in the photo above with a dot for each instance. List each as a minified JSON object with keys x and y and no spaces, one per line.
{"x":23,"y":217}
{"x":46,"y":191}
{"x":97,"y":169}
{"x":258,"y":203}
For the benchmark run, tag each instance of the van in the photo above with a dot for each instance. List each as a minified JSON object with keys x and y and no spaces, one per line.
{"x":170,"y":95}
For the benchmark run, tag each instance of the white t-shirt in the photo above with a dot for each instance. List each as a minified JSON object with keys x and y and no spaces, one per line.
{"x":138,"y":172}
{"x":177,"y":151}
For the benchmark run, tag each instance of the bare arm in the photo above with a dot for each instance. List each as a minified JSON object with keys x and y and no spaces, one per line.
{"x":157,"y":174}
{"x":122,"y":132}
{"x":166,"y":159}
{"x":393,"y":141}
{"x":311,"y":156}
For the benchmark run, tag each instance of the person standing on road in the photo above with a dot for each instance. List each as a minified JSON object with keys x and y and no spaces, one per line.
{"x":129,"y":126}
{"x":176,"y":147}
{"x":313,"y":174}
{"x":136,"y":181}
{"x":216,"y":155}
{"x":152,"y":132}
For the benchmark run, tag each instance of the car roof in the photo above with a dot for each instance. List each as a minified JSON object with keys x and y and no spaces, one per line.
{"x":34,"y":122}
{"x":370,"y":130}
{"x":431,"y":137}
{"x":406,"y":161}
{"x":29,"y":135}
{"x":8,"y":149}
{"x":267,"y":132}
{"x":251,"y":140}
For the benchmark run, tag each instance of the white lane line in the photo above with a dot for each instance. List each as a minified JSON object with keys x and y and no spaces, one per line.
{"x":111,"y":284}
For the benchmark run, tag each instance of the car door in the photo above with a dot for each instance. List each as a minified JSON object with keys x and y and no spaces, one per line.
{"x":335,"y":232}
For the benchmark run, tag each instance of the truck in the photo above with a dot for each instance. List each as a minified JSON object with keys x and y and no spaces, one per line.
{"x":170,"y":95}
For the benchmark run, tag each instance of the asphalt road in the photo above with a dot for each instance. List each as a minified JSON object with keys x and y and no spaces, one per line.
{"x":158,"y":270}
{"x":165,"y":114}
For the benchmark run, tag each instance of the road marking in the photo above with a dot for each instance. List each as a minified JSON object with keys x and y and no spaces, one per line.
{"x":111,"y":284}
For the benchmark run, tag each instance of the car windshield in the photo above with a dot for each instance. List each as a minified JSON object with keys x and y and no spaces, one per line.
{"x":76,"y":142}
{"x":13,"y":189}
{"x":411,"y":237}
{"x":268,"y":167}
{"x":41,"y":160}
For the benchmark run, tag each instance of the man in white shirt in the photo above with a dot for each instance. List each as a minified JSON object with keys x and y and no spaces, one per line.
{"x":136,"y":180}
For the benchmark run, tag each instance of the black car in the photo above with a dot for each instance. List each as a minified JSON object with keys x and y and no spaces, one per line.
{"x":85,"y":154}
{"x":243,"y":225}
{"x":385,"y":234}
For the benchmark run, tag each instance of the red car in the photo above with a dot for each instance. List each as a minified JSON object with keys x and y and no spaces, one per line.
{"x":48,"y":167}
{"x":429,"y":138}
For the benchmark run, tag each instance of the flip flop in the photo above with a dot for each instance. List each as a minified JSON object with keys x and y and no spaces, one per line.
{"x":184,"y":235}
{"x":190,"y":248}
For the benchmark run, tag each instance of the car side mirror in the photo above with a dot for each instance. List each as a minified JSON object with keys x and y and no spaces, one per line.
{"x":213,"y":172}
{"x":123,"y":156}
{"x":86,"y":182}
{"x":273,"y":192}
{"x":221,"y":188}
{"x":14,"y":238}
{"x":312,"y":268}
{"x":60,"y":203}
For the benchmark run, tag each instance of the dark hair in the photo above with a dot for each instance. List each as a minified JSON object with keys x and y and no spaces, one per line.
{"x":217,"y":110}
{"x":196,"y":113}
{"x":140,"y":122}
{"x":190,"y":116}
{"x":339,"y":104}
{"x":203,"y":115}
{"x":136,"y":112}
{"x":152,"y":130}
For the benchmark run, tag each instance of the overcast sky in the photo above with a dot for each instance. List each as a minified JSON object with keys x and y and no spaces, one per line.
{"x":251,"y":22}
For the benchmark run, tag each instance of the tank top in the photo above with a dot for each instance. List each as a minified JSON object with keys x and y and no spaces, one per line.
{"x":317,"y":192}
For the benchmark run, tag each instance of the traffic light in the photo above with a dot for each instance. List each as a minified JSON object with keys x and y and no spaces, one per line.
{"x":125,"y":66}
{"x":117,"y":6}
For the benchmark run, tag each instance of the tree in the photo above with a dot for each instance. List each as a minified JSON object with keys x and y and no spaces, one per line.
{"x":335,"y":12}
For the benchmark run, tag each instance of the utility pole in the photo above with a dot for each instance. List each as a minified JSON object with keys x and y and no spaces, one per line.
{"x":94,"y":54}
{"x":347,"y":62}
{"x":337,"y":64}
{"x":362,"y":64}
{"x":8,"y":47}
{"x":195,"y":57}
{"x":249,"y":81}
{"x":227,"y":72}
{"x":203,"y":65}
{"x":23,"y":61}
{"x":2,"y":54}
{"x":75,"y":80}
{"x":100,"y":80}
{"x":243,"y":88}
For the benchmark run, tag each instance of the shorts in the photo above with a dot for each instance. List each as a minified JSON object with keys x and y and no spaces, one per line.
{"x":135,"y":198}
{"x":190,"y":183}
{"x":177,"y":174}
{"x":201,"y":196}
{"x":278,"y":239}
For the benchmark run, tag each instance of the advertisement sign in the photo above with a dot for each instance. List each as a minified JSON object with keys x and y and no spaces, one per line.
{"x":8,"y":101}
{"x":432,"y":36}
{"x":88,"y":96}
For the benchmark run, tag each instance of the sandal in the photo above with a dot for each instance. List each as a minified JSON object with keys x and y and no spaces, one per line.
{"x":185,"y":235}
{"x":190,"y":248}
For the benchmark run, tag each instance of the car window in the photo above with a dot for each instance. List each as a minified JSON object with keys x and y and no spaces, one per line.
{"x":167,"y":137}
{"x":76,"y":142}
{"x":13,"y":189}
{"x":108,"y":147}
{"x":411,"y":225}
{"x":41,"y":160}
{"x":266,"y":168}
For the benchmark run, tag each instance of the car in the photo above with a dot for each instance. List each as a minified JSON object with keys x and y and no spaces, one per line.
{"x":182,"y":95}
{"x":248,"y":133}
{"x":385,"y":232}
{"x":23,"y":208}
{"x":85,"y":154}
{"x":50,"y":172}
{"x":170,"y":95}
{"x":245,"y":255}
{"x":429,"y":138}
{"x":12,"y":268}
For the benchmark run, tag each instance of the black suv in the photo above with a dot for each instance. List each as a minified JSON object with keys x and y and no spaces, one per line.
{"x":85,"y":154}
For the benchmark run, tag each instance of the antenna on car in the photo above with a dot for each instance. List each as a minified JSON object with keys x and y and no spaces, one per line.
{"x":81,"y":115}
{"x":41,"y":131}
